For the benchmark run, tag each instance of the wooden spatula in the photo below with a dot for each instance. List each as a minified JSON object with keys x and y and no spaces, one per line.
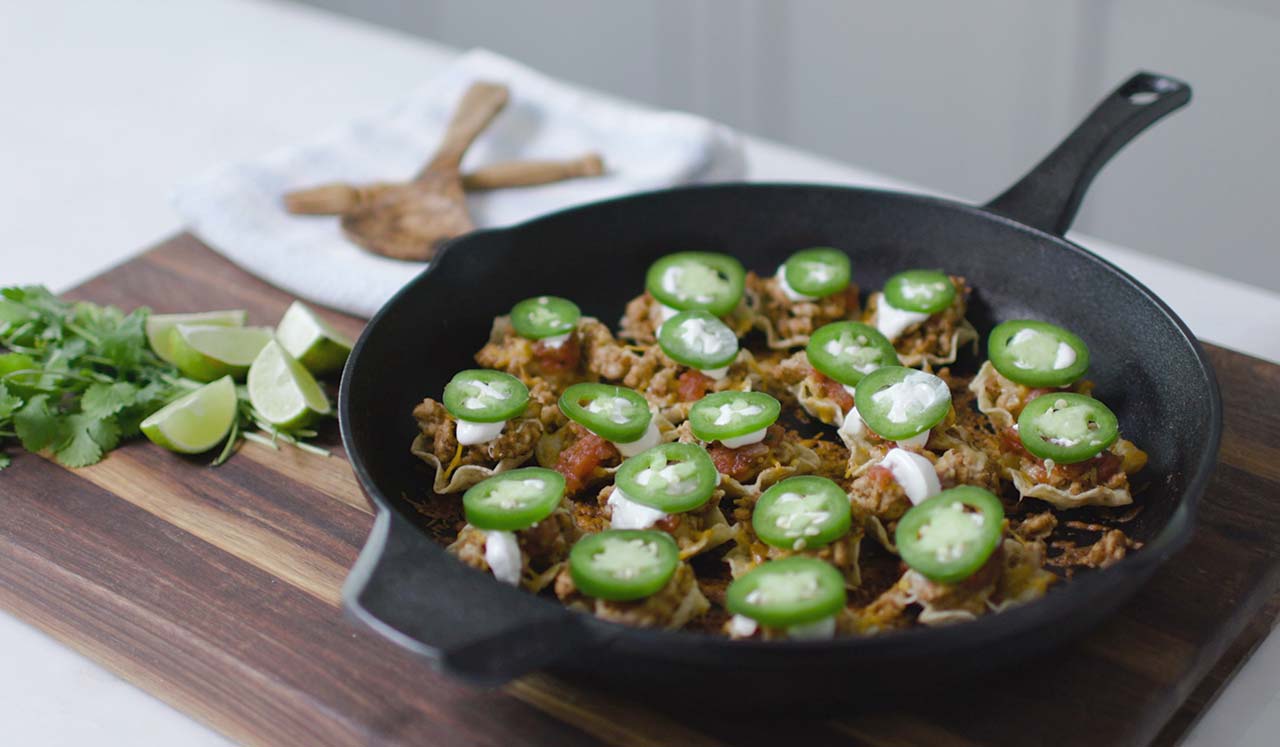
{"x":410,"y":220}
{"x":339,"y":198}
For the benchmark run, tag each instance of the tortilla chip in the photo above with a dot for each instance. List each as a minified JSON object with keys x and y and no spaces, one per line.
{"x":1059,"y":498}
{"x":462,"y":476}
{"x":1001,"y":417}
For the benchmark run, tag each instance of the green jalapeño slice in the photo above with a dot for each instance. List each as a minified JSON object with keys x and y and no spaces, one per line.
{"x":698,"y":340}
{"x":791,"y":591}
{"x":818,"y":272}
{"x":847,"y":351}
{"x":729,"y":416}
{"x":623,"y":564}
{"x":1067,"y":428}
{"x":950,"y":536}
{"x":611,"y":412}
{"x":697,"y":280}
{"x":1037,"y":354}
{"x":545,"y":316}
{"x":672,"y":477}
{"x":513,"y":500}
{"x":925,"y":291}
{"x":479,"y":395}
{"x":802,"y":513}
{"x":898,"y":403}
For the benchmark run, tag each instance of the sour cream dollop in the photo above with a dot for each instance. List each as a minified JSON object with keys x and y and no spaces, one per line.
{"x":792,"y":294}
{"x":627,"y":514}
{"x":470,"y":433}
{"x":649,"y":440}
{"x":557,"y":341}
{"x":818,"y":630}
{"x":914,"y":473}
{"x":892,"y":321}
{"x":502,"y":554}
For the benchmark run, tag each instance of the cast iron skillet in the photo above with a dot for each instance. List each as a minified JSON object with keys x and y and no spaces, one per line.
{"x":1146,"y":364}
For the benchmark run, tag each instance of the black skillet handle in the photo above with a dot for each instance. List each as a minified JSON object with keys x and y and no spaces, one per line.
{"x":1049,"y":195}
{"x":487,"y":633}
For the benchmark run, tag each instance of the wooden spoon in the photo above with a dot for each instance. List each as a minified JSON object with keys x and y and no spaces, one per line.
{"x":340,"y":198}
{"x":411,"y":220}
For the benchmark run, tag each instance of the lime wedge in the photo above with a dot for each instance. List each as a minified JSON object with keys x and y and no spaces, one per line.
{"x":312,"y":340}
{"x":206,"y":352}
{"x":194,"y":422}
{"x":282,"y":390}
{"x":158,"y":326}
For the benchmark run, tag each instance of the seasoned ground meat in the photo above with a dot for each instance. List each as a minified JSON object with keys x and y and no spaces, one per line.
{"x":673,"y":606}
{"x":604,"y":356}
{"x":963,"y":465}
{"x":541,"y":546}
{"x":876,"y":493}
{"x":794,"y":321}
{"x":1110,"y":549}
{"x":516,"y":441}
{"x":1037,"y":526}
{"x":935,"y":335}
{"x":1107,"y":469}
{"x":643,"y":317}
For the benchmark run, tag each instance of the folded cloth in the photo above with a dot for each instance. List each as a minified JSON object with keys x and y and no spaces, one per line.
{"x":238,"y":209}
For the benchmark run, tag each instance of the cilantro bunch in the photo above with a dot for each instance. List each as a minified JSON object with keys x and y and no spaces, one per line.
{"x":76,"y":378}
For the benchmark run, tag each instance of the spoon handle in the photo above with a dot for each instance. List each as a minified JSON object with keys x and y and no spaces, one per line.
{"x":479,"y":105}
{"x":532,"y":173}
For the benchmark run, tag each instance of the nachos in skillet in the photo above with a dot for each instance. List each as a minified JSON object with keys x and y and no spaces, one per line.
{"x":763,"y":458}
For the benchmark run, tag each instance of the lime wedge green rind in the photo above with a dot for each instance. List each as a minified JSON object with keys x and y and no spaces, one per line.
{"x":283,"y":391}
{"x":311,"y":340}
{"x":206,"y":352}
{"x":159,"y":325}
{"x":195,"y":422}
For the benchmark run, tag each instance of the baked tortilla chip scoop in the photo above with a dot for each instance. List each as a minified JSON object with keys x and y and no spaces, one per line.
{"x":411,"y":220}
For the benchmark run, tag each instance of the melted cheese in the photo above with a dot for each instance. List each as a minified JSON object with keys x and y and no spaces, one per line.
{"x":627,"y":514}
{"x":914,"y":473}
{"x":470,"y":433}
{"x":502,"y":554}
{"x":716,"y":374}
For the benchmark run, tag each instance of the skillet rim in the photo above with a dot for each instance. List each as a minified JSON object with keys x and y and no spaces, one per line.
{"x":1022,"y":619}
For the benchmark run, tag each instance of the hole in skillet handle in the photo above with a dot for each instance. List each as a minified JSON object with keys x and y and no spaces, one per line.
{"x":1147,"y":88}
{"x":1049,"y":195}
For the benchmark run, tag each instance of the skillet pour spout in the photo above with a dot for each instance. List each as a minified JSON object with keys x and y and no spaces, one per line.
{"x":1146,"y":364}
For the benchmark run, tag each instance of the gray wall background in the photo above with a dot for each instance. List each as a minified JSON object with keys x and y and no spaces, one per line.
{"x":957,"y":96}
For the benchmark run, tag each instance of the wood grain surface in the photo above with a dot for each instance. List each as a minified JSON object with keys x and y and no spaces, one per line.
{"x":217,"y":590}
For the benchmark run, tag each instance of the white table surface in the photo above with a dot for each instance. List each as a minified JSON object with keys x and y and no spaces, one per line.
{"x":110,"y":104}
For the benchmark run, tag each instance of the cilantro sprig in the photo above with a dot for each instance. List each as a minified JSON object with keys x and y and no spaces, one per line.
{"x":77,"y":378}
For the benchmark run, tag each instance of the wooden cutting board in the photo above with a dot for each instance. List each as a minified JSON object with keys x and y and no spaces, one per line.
{"x":217,"y":590}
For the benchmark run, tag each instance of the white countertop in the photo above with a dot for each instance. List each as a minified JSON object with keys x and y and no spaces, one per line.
{"x":111,"y":104}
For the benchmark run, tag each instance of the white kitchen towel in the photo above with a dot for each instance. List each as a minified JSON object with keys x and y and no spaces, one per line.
{"x":237,"y":209}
